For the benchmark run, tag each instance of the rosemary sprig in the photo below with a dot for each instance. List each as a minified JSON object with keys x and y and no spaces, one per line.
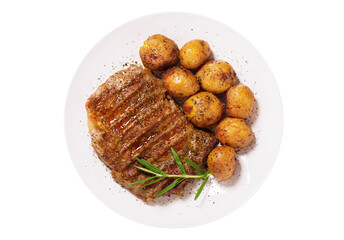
{"x":160,"y":174}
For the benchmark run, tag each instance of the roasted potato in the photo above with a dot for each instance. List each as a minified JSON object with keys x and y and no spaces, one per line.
{"x":180,"y":82}
{"x":239,"y":101}
{"x":194,"y":53}
{"x":221,"y":162}
{"x":216,"y":76}
{"x":234,"y":132}
{"x":203,"y":109}
{"x":159,"y":52}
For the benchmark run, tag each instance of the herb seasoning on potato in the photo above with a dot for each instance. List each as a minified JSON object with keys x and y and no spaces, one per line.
{"x":203,"y":109}
{"x":239,"y":101}
{"x":234,"y":132}
{"x":159,"y":52}
{"x":180,"y":82}
{"x":216,"y":76}
{"x":194,"y":53}
{"x":221,"y":162}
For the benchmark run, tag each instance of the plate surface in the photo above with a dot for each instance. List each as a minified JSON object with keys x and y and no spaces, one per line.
{"x":218,"y":199}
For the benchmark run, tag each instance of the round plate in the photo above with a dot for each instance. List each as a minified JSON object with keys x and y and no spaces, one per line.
{"x":218,"y":199}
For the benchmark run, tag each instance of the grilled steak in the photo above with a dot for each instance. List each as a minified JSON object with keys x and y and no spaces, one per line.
{"x":130,"y":116}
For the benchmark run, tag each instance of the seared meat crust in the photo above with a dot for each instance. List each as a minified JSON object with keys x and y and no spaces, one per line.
{"x":131,"y":115}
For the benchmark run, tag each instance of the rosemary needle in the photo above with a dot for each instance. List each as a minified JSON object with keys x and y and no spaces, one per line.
{"x":160,"y":174}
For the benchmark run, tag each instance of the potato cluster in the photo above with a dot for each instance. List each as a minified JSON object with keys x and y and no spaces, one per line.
{"x":189,"y":71}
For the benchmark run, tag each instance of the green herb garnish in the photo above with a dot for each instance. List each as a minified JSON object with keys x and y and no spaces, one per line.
{"x":160,"y":175}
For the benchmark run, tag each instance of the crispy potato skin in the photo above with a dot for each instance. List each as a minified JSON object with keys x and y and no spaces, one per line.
{"x":194,"y":53}
{"x":159,"y":52}
{"x":180,"y":82}
{"x":216,"y":76}
{"x":239,"y":101}
{"x":234,"y":132}
{"x":203,"y":109}
{"x":221,"y":162}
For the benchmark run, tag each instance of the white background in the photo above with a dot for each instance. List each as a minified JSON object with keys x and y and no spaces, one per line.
{"x":41,"y":46}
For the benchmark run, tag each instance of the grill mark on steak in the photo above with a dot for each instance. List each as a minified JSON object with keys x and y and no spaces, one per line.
{"x":153,"y":132}
{"x":168,"y":138}
{"x":131,"y":109}
{"x":113,"y":98}
{"x":129,"y":125}
{"x":152,"y":158}
{"x":118,"y":115}
{"x":148,"y":127}
{"x":129,"y":116}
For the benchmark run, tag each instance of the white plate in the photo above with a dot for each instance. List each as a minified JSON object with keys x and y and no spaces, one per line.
{"x":217,"y":199}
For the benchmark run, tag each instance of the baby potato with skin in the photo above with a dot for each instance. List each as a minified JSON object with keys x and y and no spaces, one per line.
{"x":221,"y":162}
{"x":159,"y":52}
{"x":194,"y":53}
{"x":239,"y":101}
{"x":216,"y":76}
{"x":180,"y":82}
{"x":234,"y":132}
{"x":203,"y":109}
